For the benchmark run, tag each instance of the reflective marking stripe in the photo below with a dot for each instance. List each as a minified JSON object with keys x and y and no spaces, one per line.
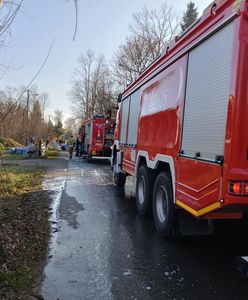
{"x":201,"y":212}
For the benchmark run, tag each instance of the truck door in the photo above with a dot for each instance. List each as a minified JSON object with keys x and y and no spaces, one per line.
{"x":88,"y":137}
{"x":204,"y":124}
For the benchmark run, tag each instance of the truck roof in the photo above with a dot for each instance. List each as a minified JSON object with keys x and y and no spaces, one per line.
{"x":94,"y":117}
{"x":215,"y":15}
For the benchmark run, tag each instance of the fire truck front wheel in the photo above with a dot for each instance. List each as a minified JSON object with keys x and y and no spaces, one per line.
{"x":163,"y":206}
{"x":144,"y":188}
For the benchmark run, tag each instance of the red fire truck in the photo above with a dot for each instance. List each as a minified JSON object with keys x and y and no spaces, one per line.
{"x":97,"y":136}
{"x":182,"y":127}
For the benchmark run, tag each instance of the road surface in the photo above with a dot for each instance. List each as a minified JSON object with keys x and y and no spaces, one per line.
{"x":103,"y":249}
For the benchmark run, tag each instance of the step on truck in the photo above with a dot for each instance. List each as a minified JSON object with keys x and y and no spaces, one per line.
{"x":182,"y":125}
{"x":97,"y":135}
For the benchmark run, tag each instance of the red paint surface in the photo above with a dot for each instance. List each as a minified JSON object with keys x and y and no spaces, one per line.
{"x":160,"y":130}
{"x":97,"y":141}
{"x":100,"y":127}
{"x":199,"y":183}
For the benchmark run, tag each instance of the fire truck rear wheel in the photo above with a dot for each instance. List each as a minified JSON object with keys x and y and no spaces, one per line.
{"x":163,"y":206}
{"x":120,"y":179}
{"x":144,"y":188}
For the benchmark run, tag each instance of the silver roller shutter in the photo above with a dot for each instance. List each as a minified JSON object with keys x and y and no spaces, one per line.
{"x":124,"y":118}
{"x":207,"y":95}
{"x":133,"y":118}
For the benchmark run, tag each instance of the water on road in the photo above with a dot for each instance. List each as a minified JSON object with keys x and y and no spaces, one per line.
{"x":103,"y":249}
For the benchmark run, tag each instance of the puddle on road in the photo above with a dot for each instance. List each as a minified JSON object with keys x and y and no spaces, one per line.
{"x":68,"y":210}
{"x":56,"y":185}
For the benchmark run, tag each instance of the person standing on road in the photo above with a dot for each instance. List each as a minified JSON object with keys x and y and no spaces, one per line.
{"x":71,"y":146}
{"x":77,"y":146}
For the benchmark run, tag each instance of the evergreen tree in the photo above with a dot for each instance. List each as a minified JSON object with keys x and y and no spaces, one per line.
{"x":37,"y":113}
{"x":36,"y":120}
{"x":58,"y":127}
{"x":189,"y":16}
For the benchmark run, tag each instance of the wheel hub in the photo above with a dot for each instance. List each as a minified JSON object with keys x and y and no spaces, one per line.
{"x":141,"y":190}
{"x":162,"y":204}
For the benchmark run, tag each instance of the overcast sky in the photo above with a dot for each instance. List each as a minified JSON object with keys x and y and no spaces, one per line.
{"x":103,"y":26}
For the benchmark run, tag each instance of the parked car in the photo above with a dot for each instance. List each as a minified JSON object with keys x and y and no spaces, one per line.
{"x":64,"y":147}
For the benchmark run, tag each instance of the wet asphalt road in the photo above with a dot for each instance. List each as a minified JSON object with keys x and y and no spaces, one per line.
{"x":104,"y":250}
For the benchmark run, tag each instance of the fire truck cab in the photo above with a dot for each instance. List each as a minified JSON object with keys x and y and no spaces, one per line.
{"x":182,"y":125}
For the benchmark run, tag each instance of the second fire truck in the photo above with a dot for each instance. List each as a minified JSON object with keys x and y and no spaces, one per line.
{"x":97,"y":135}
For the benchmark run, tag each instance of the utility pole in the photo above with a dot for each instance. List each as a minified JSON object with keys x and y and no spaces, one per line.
{"x":27,"y":124}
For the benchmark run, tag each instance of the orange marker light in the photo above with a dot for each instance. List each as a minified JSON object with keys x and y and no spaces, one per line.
{"x":246,"y":188}
{"x":237,"y":188}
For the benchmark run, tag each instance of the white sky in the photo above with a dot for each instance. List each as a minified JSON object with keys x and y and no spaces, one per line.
{"x":103,"y":26}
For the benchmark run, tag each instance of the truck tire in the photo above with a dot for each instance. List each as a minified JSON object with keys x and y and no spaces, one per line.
{"x":120,"y":179}
{"x":144,"y":188}
{"x":163,"y":206}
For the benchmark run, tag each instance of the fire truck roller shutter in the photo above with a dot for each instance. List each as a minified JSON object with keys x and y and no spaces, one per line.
{"x":133,"y":118}
{"x":124,"y":118}
{"x":207,"y":94}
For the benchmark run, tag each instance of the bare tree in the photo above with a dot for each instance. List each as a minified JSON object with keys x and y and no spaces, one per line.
{"x":156,"y":27}
{"x":130,"y":59}
{"x":71,"y":127}
{"x":149,"y":33}
{"x":91,"y":86}
{"x":44,"y":103}
{"x":101,"y":87}
{"x":8,"y":11}
{"x":80,"y":92}
{"x":24,"y":118}
{"x":15,"y":114}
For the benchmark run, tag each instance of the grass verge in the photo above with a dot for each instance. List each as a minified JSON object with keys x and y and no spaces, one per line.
{"x":52,"y":153}
{"x":8,"y":156}
{"x":24,"y":230}
{"x":17,"y":180}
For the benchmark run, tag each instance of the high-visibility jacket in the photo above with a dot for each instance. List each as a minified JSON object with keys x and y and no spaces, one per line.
{"x":70,"y":142}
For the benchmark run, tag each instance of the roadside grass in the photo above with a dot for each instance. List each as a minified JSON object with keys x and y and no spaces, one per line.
{"x":52,"y":153}
{"x":16,"y":179}
{"x":8,"y":156}
{"x":24,"y":230}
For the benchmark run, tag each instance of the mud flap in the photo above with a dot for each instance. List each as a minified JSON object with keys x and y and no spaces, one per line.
{"x":187,"y":225}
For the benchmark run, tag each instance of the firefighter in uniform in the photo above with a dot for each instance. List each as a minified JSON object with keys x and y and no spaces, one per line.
{"x":71,"y":145}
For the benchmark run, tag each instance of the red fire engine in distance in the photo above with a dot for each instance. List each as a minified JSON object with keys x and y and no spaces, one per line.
{"x":97,"y":135}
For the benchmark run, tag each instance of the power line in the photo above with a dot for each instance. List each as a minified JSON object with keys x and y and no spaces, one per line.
{"x":26,"y":88}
